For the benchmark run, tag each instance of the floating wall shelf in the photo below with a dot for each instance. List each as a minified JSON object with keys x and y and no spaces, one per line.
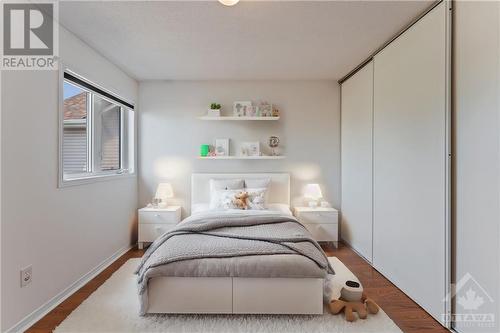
{"x":231,"y":118}
{"x":242,"y":157}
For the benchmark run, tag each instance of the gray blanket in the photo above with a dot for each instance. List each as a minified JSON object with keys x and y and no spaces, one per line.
{"x":223,"y":235}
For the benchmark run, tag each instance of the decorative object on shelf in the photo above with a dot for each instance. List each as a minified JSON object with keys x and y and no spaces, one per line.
{"x":240,"y":108}
{"x":274,"y":142}
{"x":266,"y":109}
{"x":251,"y":111}
{"x":250,"y":148}
{"x":214,"y":110}
{"x":163,"y":192}
{"x":222,"y":147}
{"x":204,"y":150}
{"x":313,"y":192}
{"x":276,"y":112}
{"x":212,"y":152}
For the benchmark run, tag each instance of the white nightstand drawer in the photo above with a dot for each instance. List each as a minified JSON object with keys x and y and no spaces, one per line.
{"x":318,"y":217}
{"x":323,"y":232}
{"x":150,"y":232}
{"x":157,"y":217}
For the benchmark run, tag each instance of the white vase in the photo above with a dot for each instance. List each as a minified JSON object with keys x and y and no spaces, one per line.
{"x":213,"y":113}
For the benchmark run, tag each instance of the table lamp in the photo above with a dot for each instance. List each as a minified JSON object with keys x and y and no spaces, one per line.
{"x":163,"y":192}
{"x":313,"y":192}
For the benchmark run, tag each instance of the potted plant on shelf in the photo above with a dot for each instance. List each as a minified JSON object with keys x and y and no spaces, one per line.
{"x":214,"y":110}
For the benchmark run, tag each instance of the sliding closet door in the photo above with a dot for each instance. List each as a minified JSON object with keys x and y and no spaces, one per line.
{"x":410,"y":162}
{"x":477,"y":161}
{"x":357,"y":123}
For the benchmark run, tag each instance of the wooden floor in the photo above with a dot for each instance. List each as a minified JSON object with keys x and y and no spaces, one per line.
{"x":405,"y":313}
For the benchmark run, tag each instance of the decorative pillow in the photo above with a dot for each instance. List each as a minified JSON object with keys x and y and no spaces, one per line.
{"x":217,"y":185}
{"x":256,"y":198}
{"x":259,"y":183}
{"x":224,"y":199}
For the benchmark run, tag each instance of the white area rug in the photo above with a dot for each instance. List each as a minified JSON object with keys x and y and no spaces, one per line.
{"x":113,"y":308}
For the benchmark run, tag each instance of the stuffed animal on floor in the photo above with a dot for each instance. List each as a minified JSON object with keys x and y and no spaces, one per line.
{"x":347,"y":294}
{"x":362,"y":308}
{"x":240,"y":200}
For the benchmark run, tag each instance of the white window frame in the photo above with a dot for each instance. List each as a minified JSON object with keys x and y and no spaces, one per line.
{"x":128,"y":168}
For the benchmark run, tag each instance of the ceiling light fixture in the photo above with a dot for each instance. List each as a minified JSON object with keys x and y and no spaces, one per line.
{"x":229,"y":2}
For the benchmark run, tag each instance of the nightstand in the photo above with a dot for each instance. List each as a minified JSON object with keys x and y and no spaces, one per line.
{"x":154,"y":222}
{"x":322,"y":223}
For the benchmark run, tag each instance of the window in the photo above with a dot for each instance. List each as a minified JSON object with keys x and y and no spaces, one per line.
{"x":97,"y":132}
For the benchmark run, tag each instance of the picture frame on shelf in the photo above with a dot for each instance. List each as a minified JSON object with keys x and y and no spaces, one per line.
{"x":242,"y":108}
{"x":250,"y":148}
{"x":266,"y":109}
{"x":221,"y":147}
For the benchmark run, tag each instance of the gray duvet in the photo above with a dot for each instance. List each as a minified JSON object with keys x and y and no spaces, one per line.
{"x":253,"y":244}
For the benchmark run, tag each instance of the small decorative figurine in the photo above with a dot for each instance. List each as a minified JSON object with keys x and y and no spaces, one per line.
{"x":276,"y":112}
{"x":274,"y":142}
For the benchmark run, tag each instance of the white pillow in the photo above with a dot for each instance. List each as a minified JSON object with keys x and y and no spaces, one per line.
{"x":223,"y":199}
{"x":257,"y":183}
{"x":226,"y":184}
{"x":256,"y":198}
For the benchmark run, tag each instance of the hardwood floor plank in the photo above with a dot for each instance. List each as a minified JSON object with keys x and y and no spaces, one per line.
{"x":399,"y":307}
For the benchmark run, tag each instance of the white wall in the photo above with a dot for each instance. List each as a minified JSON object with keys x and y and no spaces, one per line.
{"x":477,"y":150}
{"x":171,"y":134}
{"x":64,"y":233}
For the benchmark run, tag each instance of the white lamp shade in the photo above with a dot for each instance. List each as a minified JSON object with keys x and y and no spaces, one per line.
{"x":164,"y":191}
{"x":313,"y":191}
{"x":229,"y":2}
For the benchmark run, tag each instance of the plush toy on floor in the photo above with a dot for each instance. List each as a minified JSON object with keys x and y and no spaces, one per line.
{"x":347,"y":294}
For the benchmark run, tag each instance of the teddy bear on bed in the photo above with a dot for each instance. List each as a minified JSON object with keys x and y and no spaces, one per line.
{"x":241,"y":200}
{"x":346,"y":293}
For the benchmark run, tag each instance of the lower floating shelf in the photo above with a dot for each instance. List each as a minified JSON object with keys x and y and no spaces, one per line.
{"x":280,"y":157}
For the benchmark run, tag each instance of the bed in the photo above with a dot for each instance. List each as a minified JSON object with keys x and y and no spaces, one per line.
{"x":235,"y":262}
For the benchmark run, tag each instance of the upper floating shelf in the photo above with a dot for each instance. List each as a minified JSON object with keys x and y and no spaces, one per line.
{"x":231,"y":118}
{"x":261,"y":157}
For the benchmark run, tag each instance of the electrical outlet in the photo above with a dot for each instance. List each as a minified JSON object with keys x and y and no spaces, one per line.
{"x":26,"y":276}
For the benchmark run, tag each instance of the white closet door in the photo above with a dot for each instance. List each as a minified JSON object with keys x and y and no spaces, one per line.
{"x":477,"y":160}
{"x":410,"y":162}
{"x":357,"y":124}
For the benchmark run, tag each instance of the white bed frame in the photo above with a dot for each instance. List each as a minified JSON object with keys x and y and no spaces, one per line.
{"x":226,"y":295}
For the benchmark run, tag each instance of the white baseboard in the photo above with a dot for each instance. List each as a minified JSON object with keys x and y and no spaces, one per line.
{"x":357,"y":252}
{"x":39,"y":313}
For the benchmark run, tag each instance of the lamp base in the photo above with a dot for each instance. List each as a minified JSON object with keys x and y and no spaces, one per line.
{"x":162,"y":205}
{"x":313,"y":204}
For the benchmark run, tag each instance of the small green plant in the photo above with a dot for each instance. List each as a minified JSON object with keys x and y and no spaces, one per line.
{"x":215,"y":106}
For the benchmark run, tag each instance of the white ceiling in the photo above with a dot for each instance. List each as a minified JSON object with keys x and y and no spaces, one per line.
{"x":202,"y":40}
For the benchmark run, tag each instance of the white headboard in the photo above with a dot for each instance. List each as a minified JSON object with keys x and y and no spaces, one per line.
{"x":279,"y":190}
